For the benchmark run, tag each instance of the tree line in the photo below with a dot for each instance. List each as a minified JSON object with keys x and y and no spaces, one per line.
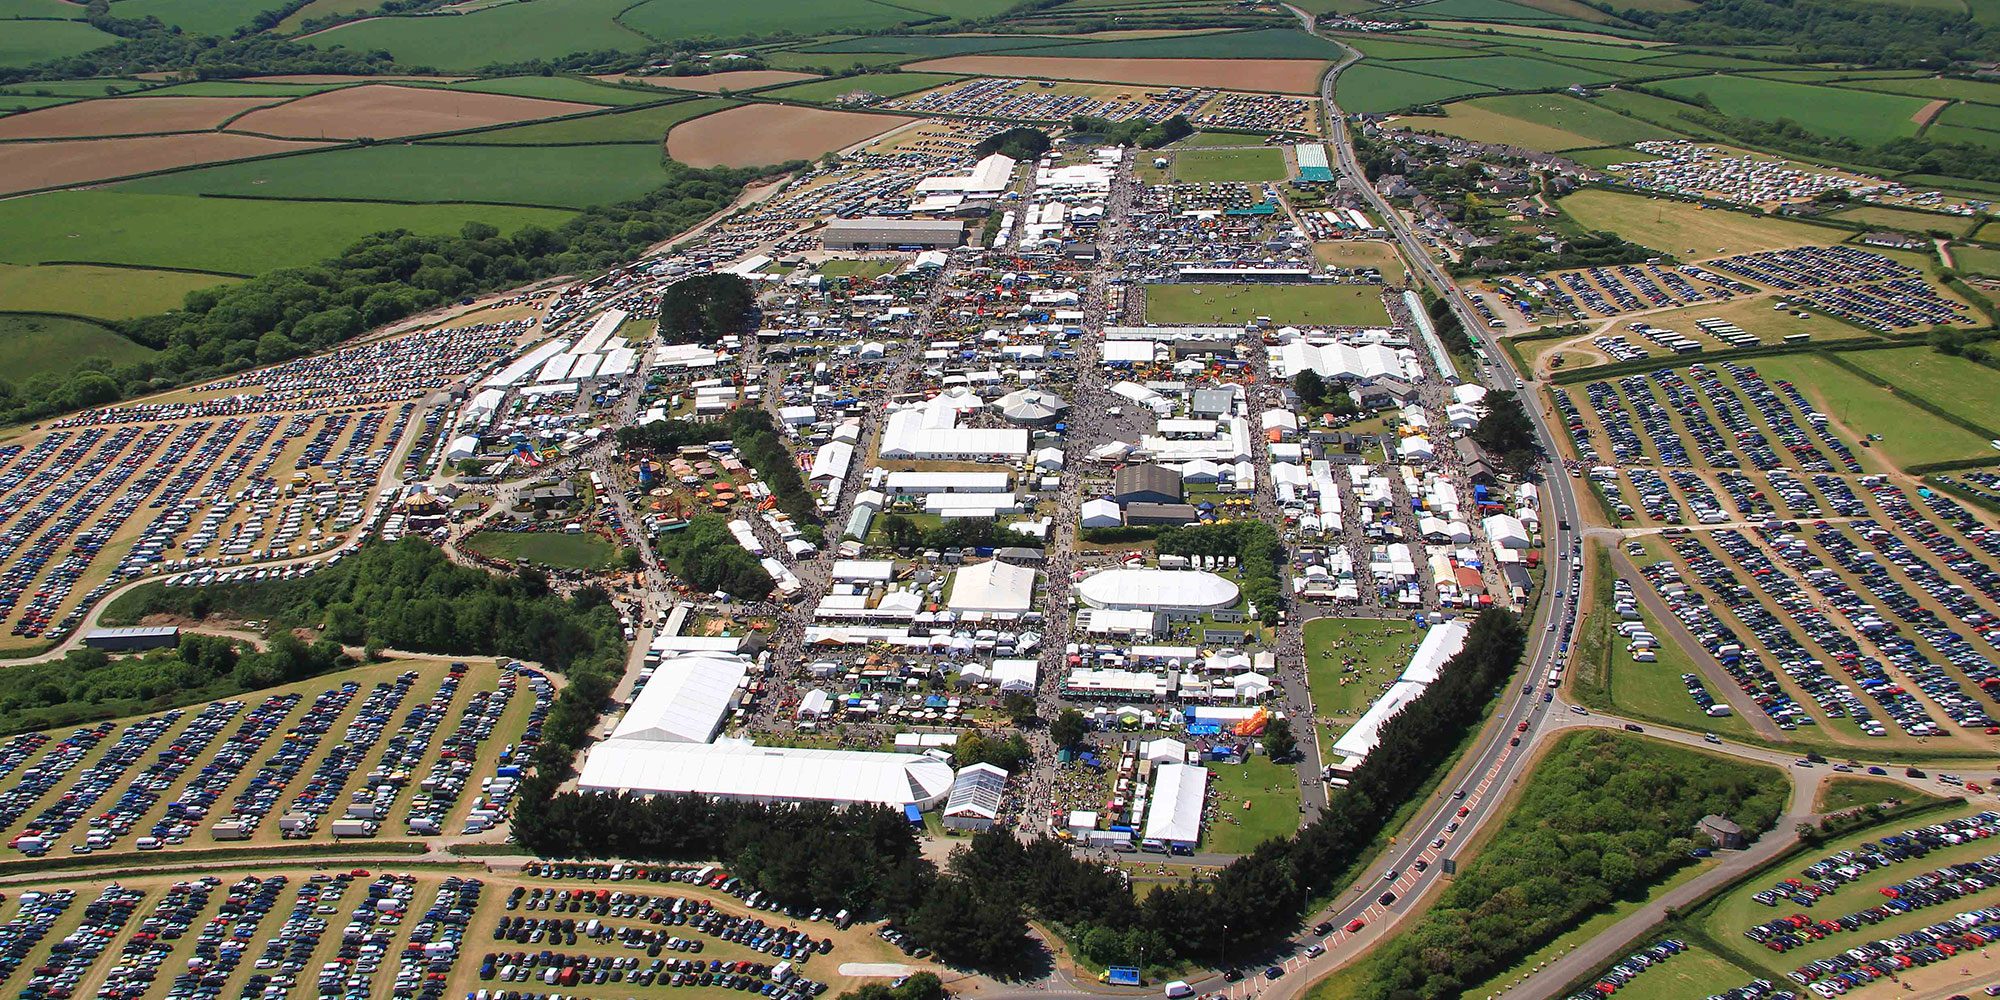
{"x":699,"y":310}
{"x":1134,"y":131}
{"x":709,"y":558}
{"x":906,"y":535}
{"x":1507,"y":432}
{"x":1260,"y":559}
{"x":1603,"y":818}
{"x":1828,"y":31}
{"x":87,"y":685}
{"x":385,"y":277}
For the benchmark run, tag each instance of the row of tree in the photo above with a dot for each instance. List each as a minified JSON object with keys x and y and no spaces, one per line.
{"x":905,"y":535}
{"x":1507,"y":432}
{"x":708,"y":557}
{"x":382,"y":278}
{"x":1604,"y":818}
{"x":86,"y":685}
{"x":1134,"y":131}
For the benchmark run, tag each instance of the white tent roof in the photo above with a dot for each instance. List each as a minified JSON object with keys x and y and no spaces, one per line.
{"x":1156,"y":588}
{"x":1166,"y":750}
{"x":976,"y":791}
{"x":1367,"y":731}
{"x":742,"y":771}
{"x":993,"y":586}
{"x":1100,"y":513}
{"x":1175,"y":813}
{"x":1441,"y":642}
{"x":684,"y":701}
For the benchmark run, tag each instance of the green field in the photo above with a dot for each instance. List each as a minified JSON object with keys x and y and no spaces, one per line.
{"x":694,"y":18}
{"x":100,"y":292}
{"x":232,"y":235}
{"x":201,"y":17}
{"x":1607,"y":156}
{"x":1692,"y":973}
{"x":1910,"y":436}
{"x":872,"y":268}
{"x":1846,"y":793}
{"x":645,"y":125}
{"x":1864,"y":116}
{"x":75,"y":88}
{"x":1509,"y":72}
{"x":25,"y":43}
{"x":936,"y":46}
{"x":1981,"y":91}
{"x":10,"y":103}
{"x":1946,"y":132}
{"x":1965,"y":389}
{"x":1316,"y":305}
{"x":1272,"y":790}
{"x":512,"y":33}
{"x":32,"y":345}
{"x":1686,"y":229}
{"x":1200,"y":166}
{"x":1376,"y":648}
{"x":240,"y":88}
{"x":558,"y":88}
{"x":1910,"y":220}
{"x":1393,"y":48}
{"x":879,"y":84}
{"x":323,"y":8}
{"x":1368,"y":88}
{"x":1655,"y":690}
{"x":563,"y":176}
{"x":1260,"y":43}
{"x":549,"y":548}
{"x":835,"y":61}
{"x":1481,"y":10}
{"x":1977,"y":260}
{"x":1548,"y":122}
{"x":11,"y":9}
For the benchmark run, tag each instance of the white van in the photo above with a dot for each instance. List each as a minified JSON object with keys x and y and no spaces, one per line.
{"x":1179,"y":988}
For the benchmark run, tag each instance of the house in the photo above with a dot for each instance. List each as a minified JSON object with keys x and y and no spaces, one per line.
{"x":1146,"y":484}
{"x":1726,"y":835}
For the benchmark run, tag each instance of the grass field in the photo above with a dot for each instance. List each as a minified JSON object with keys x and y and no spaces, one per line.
{"x":1260,"y":43}
{"x":570,"y":177}
{"x":323,"y":8}
{"x":1315,"y":305}
{"x":1607,"y":156}
{"x":1395,"y":48}
{"x":1655,"y":690}
{"x":101,"y":292}
{"x":10,"y":103}
{"x":1509,"y":72}
{"x":1370,"y":88}
{"x":937,"y":45}
{"x":1694,"y":972}
{"x":239,"y":88}
{"x":1865,"y":116}
{"x":1364,"y":253}
{"x":1376,"y":648}
{"x":879,"y":84}
{"x":1977,"y":260}
{"x":1685,"y":229}
{"x":511,"y":33}
{"x":693,"y":18}
{"x":1910,"y":436}
{"x":872,"y":268}
{"x":1548,"y":122}
{"x":1886,"y":217}
{"x":836,"y":61}
{"x":1599,"y":924}
{"x":1202,"y":166}
{"x":1757,"y":318}
{"x":558,"y":88}
{"x":201,"y":17}
{"x":1846,"y":793}
{"x":25,"y":43}
{"x":647,"y":125}
{"x":1960,"y":387}
{"x":1272,"y":793}
{"x":550,"y":548}
{"x":233,"y":236}
{"x":31,"y":345}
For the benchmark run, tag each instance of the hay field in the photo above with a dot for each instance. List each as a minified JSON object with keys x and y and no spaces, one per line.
{"x":129,"y":116}
{"x":769,"y":133}
{"x":649,"y":124}
{"x":744,"y":79}
{"x":1548,"y":122}
{"x":390,"y":112}
{"x":1687,"y":230}
{"x":1285,"y":76}
{"x":27,"y":166}
{"x":1866,"y":116}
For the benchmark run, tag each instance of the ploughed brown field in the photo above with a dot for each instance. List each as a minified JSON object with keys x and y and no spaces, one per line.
{"x":760,"y":134}
{"x":1285,"y":76}
{"x":388,"y":112}
{"x":347,"y":78}
{"x":128,"y":116}
{"x":742,"y":79}
{"x":26,"y":166}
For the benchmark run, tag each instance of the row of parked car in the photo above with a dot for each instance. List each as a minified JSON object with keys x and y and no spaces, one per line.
{"x":565,"y":969}
{"x":1622,"y":972}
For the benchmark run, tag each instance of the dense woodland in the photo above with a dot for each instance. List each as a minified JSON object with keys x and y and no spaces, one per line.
{"x":86,"y":685}
{"x":293,"y":311}
{"x":710,"y":559}
{"x":1839,"y":31}
{"x":1507,"y":433}
{"x":699,"y":310}
{"x":1604,"y":817}
{"x":1260,"y":557}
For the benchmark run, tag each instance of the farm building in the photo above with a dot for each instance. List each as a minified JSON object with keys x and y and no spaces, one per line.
{"x":1146,"y":484}
{"x":132,"y":639}
{"x":892,"y":234}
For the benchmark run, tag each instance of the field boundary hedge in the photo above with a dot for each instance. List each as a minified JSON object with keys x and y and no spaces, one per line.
{"x":1575,"y":376}
{"x":78,"y":317}
{"x":121,"y":265}
{"x":1919,"y":402}
{"x":230,"y":196}
{"x":306,"y":854}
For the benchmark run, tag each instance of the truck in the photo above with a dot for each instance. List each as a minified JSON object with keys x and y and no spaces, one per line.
{"x":353,"y":828}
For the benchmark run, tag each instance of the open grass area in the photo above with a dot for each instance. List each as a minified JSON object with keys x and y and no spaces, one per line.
{"x":1910,"y":436}
{"x":1692,"y":973}
{"x":1258,"y":43}
{"x":1965,"y":389}
{"x":642,"y":125}
{"x":1365,"y":253}
{"x":1981,"y":91}
{"x":1846,"y":793}
{"x":201,"y":17}
{"x":879,"y":84}
{"x":1867,"y":117}
{"x":835,"y":61}
{"x":25,"y":43}
{"x":1686,"y":229}
{"x":1655,"y":690}
{"x":510,"y":33}
{"x":32,"y":345}
{"x":101,"y":292}
{"x":1316,"y":305}
{"x":1255,"y":802}
{"x":235,"y":236}
{"x":1349,"y":660}
{"x":871,"y":268}
{"x":1977,"y":260}
{"x":1199,"y":166}
{"x":695,"y":18}
{"x":582,"y":550}
{"x":1509,"y":72}
{"x":1369,"y":88}
{"x":1548,"y":122}
{"x":1601,"y":922}
{"x":1909,"y":220}
{"x":566,"y":176}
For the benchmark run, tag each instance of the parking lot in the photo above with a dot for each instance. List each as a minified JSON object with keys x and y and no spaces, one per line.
{"x":392,"y":750}
{"x":413,"y":932}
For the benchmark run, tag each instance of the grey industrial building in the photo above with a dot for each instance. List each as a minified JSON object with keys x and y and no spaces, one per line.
{"x":132,"y":639}
{"x":1146,"y":484}
{"x":892,"y":234}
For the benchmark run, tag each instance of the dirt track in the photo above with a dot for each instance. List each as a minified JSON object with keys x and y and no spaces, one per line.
{"x":758,"y":134}
{"x":388,"y":112}
{"x":1289,"y":76}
